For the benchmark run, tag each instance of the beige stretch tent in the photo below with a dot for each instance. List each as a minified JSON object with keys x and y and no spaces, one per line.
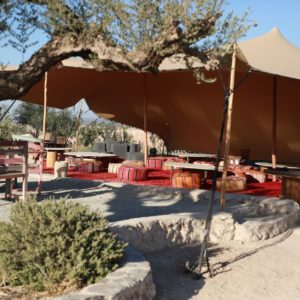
{"x":188,"y":115}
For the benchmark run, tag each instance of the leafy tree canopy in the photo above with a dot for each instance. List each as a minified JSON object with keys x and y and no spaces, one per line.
{"x":59,"y":122}
{"x":125,"y":35}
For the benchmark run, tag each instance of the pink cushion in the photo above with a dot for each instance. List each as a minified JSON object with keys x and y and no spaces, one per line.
{"x":132,"y":173}
{"x":155,"y":163}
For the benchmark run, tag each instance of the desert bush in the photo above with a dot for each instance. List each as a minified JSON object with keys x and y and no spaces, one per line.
{"x":56,"y":244}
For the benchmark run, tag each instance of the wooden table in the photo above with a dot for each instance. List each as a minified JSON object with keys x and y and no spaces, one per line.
{"x":199,"y":167}
{"x":263,"y":164}
{"x":195,"y":155}
{"x":290,"y":188}
{"x":90,"y":154}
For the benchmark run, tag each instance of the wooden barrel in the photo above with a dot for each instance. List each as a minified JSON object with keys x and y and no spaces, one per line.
{"x":51,"y":159}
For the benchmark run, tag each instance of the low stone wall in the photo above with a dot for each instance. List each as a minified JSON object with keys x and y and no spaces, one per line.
{"x":254,"y":219}
{"x":250,"y":221}
{"x":131,"y":281}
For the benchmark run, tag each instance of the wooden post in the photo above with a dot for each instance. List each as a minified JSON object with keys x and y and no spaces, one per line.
{"x":145,"y":120}
{"x":25,"y":172}
{"x":78,"y":125}
{"x":43,"y":133}
{"x":228,"y":127}
{"x":274,"y":126}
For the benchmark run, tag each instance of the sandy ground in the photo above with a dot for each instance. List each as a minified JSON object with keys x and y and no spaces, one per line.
{"x":271,"y":272}
{"x":267,"y":270}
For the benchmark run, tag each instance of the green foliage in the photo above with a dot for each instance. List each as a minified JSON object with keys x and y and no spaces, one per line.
{"x":22,"y":29}
{"x":130,"y":24}
{"x":30,"y":114}
{"x":8,"y":127}
{"x":88,"y":134}
{"x":54,"y":244}
{"x":106,"y":131}
{"x":59,"y":122}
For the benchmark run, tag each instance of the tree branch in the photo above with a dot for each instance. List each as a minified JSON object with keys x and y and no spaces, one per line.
{"x":17,"y":82}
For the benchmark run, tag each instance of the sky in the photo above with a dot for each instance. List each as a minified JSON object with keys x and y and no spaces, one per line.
{"x":267,"y":14}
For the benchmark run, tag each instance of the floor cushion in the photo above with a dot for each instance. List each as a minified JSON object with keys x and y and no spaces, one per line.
{"x":173,"y":159}
{"x":114,"y":167}
{"x":89,"y":166}
{"x":232,"y":184}
{"x":132,"y":173}
{"x":255,"y":176}
{"x":137,"y":163}
{"x":186,"y":180}
{"x":155,"y":163}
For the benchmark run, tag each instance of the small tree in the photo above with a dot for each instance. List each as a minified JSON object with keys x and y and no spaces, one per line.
{"x":8,"y":127}
{"x":88,"y":134}
{"x":59,"y":122}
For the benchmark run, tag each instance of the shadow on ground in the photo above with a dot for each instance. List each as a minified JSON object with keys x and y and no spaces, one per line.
{"x":169,"y":272}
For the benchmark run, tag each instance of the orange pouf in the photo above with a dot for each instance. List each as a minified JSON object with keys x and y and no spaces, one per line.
{"x":232,"y":184}
{"x":155,"y":163}
{"x":186,"y":180}
{"x":132,"y":173}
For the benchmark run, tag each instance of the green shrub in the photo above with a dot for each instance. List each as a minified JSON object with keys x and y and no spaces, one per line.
{"x":56,"y":244}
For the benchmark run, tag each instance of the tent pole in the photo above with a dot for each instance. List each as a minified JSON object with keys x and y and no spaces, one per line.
{"x":145,"y":120}
{"x":274,"y":128}
{"x":78,"y":125}
{"x":43,"y":134}
{"x":228,"y":127}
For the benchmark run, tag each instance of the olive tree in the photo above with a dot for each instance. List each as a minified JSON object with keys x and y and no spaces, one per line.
{"x":123,"y":35}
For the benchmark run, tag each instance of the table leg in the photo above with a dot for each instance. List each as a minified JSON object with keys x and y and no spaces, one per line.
{"x":171,"y":175}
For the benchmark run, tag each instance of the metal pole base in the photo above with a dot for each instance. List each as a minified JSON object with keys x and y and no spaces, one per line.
{"x":198,"y":271}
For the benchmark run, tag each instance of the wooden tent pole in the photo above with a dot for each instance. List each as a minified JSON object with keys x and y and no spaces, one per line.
{"x":274,"y":126}
{"x":43,"y":133}
{"x":146,"y":120}
{"x":78,"y":125}
{"x":228,"y":127}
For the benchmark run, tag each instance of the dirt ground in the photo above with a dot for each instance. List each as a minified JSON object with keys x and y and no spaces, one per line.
{"x":259,"y":270}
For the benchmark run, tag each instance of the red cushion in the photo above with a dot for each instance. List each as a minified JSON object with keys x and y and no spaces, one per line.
{"x":132,"y":173}
{"x":155,"y":163}
{"x":89,"y":167}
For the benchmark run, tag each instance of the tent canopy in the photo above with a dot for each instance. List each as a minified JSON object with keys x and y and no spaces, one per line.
{"x":187,"y":115}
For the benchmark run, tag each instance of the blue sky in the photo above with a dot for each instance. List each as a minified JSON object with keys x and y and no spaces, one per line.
{"x":266,"y":13}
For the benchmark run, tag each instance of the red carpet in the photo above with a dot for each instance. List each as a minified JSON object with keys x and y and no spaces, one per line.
{"x":162,"y":178}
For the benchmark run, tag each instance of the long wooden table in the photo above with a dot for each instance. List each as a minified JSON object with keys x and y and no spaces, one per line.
{"x":196,"y":155}
{"x":199,"y":167}
{"x":89,"y":154}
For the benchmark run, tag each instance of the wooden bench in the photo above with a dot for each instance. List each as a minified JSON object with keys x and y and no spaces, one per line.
{"x":12,"y":166}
